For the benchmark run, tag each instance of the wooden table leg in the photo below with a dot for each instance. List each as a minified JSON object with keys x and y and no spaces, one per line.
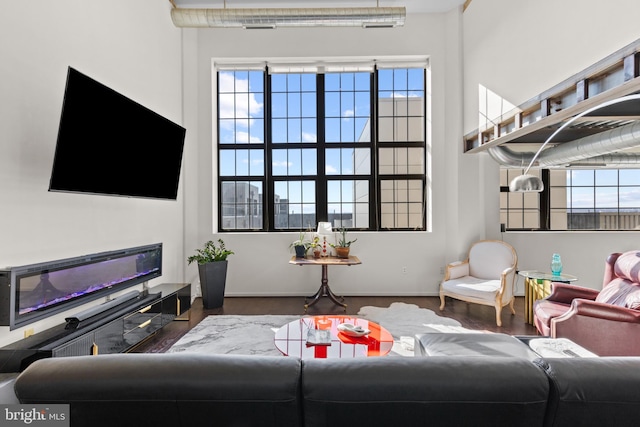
{"x":324,"y":291}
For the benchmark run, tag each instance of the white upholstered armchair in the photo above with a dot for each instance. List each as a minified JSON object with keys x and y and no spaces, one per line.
{"x":486,"y":277}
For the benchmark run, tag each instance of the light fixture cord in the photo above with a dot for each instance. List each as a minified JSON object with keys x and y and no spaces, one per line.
{"x":573,"y":119}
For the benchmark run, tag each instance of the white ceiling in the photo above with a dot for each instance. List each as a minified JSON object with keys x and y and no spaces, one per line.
{"x":412,"y":6}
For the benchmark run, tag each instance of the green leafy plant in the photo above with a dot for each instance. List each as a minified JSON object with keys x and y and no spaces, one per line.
{"x":342,"y":240}
{"x":301,"y":241}
{"x":210,"y":253}
{"x":315,"y":242}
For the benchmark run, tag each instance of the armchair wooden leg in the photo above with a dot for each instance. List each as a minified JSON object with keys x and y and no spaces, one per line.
{"x":498,"y":315}
{"x":441,"y":302}
{"x":513,"y":310}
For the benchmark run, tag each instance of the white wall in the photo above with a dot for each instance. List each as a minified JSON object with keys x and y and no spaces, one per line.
{"x":131,"y":46}
{"x":518,"y":49}
{"x":260,"y":265}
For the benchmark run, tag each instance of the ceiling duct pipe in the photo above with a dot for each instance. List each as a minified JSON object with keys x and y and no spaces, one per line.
{"x":366,"y":17}
{"x":595,"y":149}
{"x":616,"y":139}
{"x":606,"y":142}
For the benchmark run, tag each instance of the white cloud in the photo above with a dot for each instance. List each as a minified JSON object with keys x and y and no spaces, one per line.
{"x":243,"y":138}
{"x":236,"y":105}
{"x":309,"y":137}
{"x":403,"y":95}
{"x":277,"y":164}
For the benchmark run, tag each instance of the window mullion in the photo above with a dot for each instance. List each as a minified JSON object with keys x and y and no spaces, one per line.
{"x":268,"y":198}
{"x":545,"y":200}
{"x":322,"y":209}
{"x":374,"y":183}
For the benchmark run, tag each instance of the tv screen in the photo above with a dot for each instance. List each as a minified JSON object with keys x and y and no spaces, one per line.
{"x":41,"y":290}
{"x":110,"y":144}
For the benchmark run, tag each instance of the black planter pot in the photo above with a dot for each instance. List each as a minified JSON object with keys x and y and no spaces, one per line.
{"x":301,"y":251}
{"x":213,"y":277}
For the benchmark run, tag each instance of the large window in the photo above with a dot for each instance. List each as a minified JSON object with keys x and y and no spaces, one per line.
{"x":581,"y":199}
{"x":348,"y":147}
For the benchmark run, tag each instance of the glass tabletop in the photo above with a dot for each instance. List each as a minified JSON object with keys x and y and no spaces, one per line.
{"x":541,"y":275}
{"x":291,"y":339}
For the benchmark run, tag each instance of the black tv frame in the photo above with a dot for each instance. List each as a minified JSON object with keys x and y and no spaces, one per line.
{"x":109,"y":144}
{"x":9,"y":314}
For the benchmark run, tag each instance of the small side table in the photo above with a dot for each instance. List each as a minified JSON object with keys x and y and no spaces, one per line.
{"x":325,"y":290}
{"x":537,"y":285}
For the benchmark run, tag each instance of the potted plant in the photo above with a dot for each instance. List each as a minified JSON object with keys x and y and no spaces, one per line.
{"x":316,"y":246}
{"x":343,"y":245}
{"x":212,"y":268}
{"x":301,"y":245}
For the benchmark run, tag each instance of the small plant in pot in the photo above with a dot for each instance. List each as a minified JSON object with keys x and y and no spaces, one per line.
{"x":316,"y":246}
{"x":301,"y":245}
{"x":343,"y":245}
{"x":212,"y":268}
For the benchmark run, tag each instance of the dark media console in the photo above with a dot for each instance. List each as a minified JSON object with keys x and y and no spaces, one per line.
{"x":117,"y":329}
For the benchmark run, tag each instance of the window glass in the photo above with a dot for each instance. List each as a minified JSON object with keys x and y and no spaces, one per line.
{"x":583,"y":199}
{"x":321,"y":161}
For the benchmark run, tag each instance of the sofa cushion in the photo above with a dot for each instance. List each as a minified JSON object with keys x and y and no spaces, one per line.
{"x":418,"y":391}
{"x":472,"y":344}
{"x":621,"y":292}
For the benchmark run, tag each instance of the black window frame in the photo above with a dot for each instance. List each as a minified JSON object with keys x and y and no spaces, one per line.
{"x":322,"y":178}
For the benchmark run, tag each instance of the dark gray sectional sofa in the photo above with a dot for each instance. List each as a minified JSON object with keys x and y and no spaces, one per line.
{"x":222,"y":390}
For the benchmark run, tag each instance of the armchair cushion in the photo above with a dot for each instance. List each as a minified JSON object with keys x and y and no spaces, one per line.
{"x":627,"y":266}
{"x":472,"y":286}
{"x":545,"y":311}
{"x":622,"y":293}
{"x":490,"y":260}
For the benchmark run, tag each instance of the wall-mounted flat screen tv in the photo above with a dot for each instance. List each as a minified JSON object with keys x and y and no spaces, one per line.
{"x":109,"y":144}
{"x":41,"y":290}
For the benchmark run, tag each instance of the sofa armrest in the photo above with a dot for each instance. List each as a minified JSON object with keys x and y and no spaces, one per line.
{"x":592,"y":391}
{"x":456,"y":270}
{"x":600,"y":310}
{"x":565,"y":293}
{"x":601,"y":328}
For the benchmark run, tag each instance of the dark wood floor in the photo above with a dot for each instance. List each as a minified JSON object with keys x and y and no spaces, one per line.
{"x":471,"y":316}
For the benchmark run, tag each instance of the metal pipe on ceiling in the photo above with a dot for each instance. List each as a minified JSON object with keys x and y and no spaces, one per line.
{"x":598,"y":149}
{"x":367,"y":17}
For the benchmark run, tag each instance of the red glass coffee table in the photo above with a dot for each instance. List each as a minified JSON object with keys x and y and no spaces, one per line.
{"x":291,"y":339}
